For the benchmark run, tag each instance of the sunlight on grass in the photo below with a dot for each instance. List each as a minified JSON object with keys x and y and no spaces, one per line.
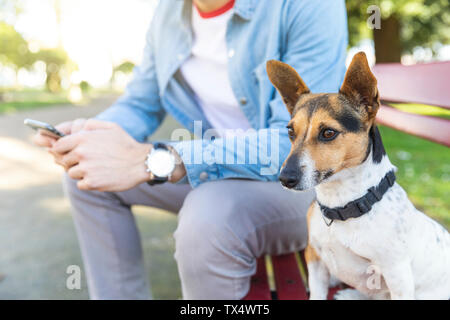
{"x":13,"y":101}
{"x":156,"y":227}
{"x":56,"y":205}
{"x":23,"y":165}
{"x":153,"y":213}
{"x":27,"y":99}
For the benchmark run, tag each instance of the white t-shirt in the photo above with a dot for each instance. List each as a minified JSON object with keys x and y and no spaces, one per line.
{"x":206,"y":72}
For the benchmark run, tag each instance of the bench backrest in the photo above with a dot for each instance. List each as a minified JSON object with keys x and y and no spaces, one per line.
{"x":421,"y":83}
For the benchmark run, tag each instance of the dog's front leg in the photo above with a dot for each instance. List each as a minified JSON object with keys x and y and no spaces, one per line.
{"x":399,"y":279}
{"x":318,"y":275}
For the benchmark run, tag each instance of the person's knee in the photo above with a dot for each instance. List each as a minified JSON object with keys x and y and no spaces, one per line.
{"x":205,"y":229}
{"x":72,"y":191}
{"x":199,"y":222}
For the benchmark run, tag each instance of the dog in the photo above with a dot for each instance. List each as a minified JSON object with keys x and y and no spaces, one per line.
{"x":362,"y":228}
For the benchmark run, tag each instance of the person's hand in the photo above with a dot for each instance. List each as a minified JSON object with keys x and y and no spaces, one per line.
{"x":103,"y":157}
{"x":68,"y":127}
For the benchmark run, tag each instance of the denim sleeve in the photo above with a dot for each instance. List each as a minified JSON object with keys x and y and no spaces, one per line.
{"x":138,"y":111}
{"x":316,"y":35}
{"x":317,"y":43}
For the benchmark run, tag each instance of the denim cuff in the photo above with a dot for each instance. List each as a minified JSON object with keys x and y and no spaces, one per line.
{"x":197,"y":171}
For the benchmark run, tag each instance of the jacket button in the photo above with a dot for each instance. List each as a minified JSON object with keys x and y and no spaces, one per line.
{"x":243,"y":101}
{"x":203,"y":176}
{"x":231,"y":53}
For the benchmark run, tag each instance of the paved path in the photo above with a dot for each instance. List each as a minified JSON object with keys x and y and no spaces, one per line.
{"x":37,"y":238}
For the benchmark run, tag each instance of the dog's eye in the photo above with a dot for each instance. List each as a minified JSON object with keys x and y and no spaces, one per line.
{"x":328,"y":134}
{"x":291,"y":132}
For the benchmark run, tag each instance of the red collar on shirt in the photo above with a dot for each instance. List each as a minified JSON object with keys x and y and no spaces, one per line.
{"x":217,"y":12}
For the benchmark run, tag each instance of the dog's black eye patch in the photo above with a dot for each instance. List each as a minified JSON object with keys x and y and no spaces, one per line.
{"x":318,"y":102}
{"x":349,"y":121}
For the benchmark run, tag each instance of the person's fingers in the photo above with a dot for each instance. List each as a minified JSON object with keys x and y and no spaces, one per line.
{"x":43,"y":140}
{"x":78,"y":125}
{"x":67,"y":143}
{"x":70,"y":159}
{"x":83,"y":184}
{"x":57,"y":158}
{"x":93,"y":124}
{"x":65,"y":127}
{"x":75,"y":173}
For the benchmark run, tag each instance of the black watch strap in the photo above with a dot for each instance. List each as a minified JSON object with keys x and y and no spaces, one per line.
{"x":155,"y":179}
{"x":160,"y":145}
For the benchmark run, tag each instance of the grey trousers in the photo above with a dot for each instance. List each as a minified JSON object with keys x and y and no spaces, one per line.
{"x":223,"y":226}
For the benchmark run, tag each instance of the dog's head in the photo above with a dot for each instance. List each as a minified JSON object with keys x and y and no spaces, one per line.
{"x":329,"y":132}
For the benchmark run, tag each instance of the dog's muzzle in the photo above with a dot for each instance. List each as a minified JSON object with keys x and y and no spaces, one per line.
{"x":290,"y":175}
{"x":289,"y":178}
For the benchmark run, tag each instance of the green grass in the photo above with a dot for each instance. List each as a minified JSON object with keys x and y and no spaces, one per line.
{"x":423,"y":171}
{"x":30,"y":99}
{"x":10,"y":107}
{"x":156,"y":229}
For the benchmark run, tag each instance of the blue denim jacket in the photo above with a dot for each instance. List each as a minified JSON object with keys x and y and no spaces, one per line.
{"x":310,"y":35}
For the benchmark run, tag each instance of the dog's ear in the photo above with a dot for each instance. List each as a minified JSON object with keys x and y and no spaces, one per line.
{"x":287,"y":81}
{"x":360,"y":85}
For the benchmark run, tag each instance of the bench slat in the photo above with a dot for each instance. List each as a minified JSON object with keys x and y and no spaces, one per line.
{"x":332,"y":292}
{"x":288,"y":281}
{"x":420,"y":83}
{"x":259,"y":285}
{"x":430,"y":128}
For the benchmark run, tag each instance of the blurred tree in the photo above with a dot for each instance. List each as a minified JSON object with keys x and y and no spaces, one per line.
{"x":10,"y":9}
{"x":85,"y":86}
{"x":14,"y":48}
{"x":125,"y":67}
{"x":55,"y":59}
{"x":405,"y":24}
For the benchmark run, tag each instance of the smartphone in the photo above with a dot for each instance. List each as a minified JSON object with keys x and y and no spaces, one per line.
{"x":45,"y":128}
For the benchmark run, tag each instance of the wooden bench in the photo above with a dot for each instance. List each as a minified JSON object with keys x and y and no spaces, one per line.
{"x":290,"y":276}
{"x":422,"y":83}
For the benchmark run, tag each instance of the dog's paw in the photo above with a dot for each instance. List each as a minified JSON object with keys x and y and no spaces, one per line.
{"x":349,"y":294}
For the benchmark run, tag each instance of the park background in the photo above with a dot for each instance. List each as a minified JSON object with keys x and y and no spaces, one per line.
{"x":63,"y":59}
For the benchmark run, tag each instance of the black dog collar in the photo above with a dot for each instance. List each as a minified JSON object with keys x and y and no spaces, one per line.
{"x":360,"y":206}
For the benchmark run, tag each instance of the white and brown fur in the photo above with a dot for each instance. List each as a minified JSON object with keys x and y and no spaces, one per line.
{"x":408,"y":251}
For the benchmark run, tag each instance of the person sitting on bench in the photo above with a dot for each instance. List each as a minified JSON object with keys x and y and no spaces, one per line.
{"x":204,"y":64}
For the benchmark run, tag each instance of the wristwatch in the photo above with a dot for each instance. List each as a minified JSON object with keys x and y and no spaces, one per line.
{"x":160,"y":164}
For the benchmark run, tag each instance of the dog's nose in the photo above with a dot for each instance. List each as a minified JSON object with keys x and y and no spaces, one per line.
{"x":288,"y":180}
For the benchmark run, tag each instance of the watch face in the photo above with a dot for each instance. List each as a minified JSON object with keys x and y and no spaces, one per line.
{"x":161,"y":162}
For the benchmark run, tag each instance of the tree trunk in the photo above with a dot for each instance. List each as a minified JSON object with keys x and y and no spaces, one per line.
{"x":387,"y":41}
